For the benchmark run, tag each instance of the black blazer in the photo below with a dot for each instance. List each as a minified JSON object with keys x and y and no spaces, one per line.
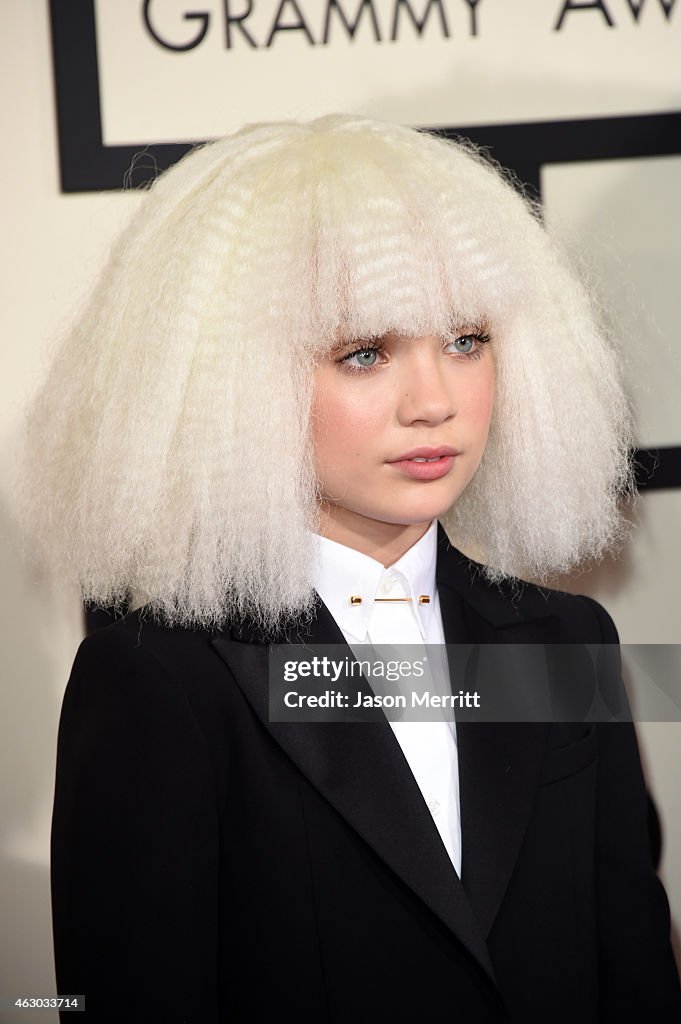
{"x":210,"y":866}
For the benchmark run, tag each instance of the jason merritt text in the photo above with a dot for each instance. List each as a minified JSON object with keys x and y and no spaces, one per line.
{"x":338,"y":699}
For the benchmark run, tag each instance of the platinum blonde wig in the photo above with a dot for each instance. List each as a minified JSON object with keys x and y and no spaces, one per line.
{"x":169,"y":450}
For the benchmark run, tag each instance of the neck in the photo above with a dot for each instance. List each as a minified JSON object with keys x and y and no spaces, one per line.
{"x":385,"y":542}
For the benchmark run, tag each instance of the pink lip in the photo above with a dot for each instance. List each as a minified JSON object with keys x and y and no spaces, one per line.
{"x":426,"y":453}
{"x":426,"y":470}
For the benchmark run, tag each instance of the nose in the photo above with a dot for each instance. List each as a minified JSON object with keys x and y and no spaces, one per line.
{"x":426,"y":389}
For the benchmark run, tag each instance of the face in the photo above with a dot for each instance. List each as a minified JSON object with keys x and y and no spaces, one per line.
{"x":399,"y":427}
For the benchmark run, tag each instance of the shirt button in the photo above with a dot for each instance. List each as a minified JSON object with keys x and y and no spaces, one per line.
{"x":433,"y":806}
{"x":387,"y":586}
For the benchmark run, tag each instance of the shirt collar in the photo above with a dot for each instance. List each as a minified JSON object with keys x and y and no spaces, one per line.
{"x":342,"y":572}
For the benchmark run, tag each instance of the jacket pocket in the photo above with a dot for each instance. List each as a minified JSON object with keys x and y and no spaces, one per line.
{"x":565,"y":760}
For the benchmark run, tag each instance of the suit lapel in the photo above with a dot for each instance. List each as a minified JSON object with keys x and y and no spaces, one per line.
{"x":361,"y":771}
{"x":499,"y":763}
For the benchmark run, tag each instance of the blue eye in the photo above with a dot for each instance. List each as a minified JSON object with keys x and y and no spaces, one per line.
{"x":469,"y":344}
{"x":465,"y":344}
{"x":362,"y":357}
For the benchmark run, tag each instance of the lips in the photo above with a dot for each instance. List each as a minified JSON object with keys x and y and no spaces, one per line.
{"x":425,"y":453}
{"x":425,"y":464}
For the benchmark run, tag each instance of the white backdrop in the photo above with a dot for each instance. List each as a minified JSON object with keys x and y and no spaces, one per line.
{"x":443,"y":74}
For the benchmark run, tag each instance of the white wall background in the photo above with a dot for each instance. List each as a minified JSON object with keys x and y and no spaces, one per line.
{"x":624,"y":217}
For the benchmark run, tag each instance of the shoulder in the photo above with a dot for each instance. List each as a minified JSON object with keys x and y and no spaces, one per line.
{"x":139,"y":658}
{"x":138,"y":689}
{"x":581,"y":618}
{"x":138,"y":636}
{"x":510,"y":602}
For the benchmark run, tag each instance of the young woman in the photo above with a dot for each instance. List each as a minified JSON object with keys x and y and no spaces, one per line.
{"x":320,"y":354}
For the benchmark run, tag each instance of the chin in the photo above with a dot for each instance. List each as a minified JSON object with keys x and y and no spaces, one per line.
{"x":427,"y":510}
{"x":404,"y":517}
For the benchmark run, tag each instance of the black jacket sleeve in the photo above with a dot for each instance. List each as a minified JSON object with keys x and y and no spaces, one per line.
{"x":134,"y":842}
{"x":638,"y":978}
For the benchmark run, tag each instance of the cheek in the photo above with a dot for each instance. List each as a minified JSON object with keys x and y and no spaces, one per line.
{"x":487,"y":401}
{"x":341,"y":424}
{"x":479,"y":402}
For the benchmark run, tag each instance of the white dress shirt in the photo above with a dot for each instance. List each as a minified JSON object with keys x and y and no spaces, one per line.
{"x":429,"y":747}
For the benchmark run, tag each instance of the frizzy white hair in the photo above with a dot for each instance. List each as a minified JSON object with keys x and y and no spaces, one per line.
{"x":169,"y":450}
